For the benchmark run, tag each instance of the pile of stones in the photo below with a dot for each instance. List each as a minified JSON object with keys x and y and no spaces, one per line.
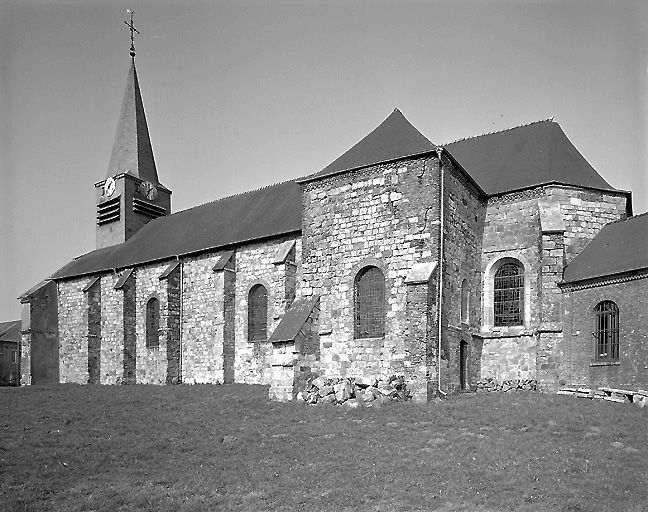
{"x":354,"y":392}
{"x":489,"y":385}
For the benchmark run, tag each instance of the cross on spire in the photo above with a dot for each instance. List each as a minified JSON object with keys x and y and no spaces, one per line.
{"x":132,"y":31}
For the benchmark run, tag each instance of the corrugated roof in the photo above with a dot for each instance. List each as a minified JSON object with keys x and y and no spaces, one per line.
{"x":525,"y":156}
{"x":263,"y":213}
{"x":10,"y":331}
{"x":132,"y":152}
{"x":393,"y":139}
{"x":619,"y":247}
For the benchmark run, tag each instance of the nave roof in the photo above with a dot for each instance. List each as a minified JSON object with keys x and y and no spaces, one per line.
{"x":267,"y":212}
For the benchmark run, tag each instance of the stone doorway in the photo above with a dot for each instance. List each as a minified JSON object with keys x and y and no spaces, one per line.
{"x":463,"y":365}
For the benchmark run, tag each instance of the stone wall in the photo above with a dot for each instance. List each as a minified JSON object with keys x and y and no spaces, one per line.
{"x":385,"y":216}
{"x":151,"y":361}
{"x":39,"y":362}
{"x":202,"y":320}
{"x":94,"y":333}
{"x":514,"y":229}
{"x":464,"y":212}
{"x":578,"y":347}
{"x":73,"y":330}
{"x":256,"y":264}
{"x":112,"y":331}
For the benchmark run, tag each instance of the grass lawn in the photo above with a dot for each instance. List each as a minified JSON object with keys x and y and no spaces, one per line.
{"x":197,"y":448}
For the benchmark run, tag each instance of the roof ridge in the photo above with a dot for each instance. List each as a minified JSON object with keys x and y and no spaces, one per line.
{"x":499,"y":131}
{"x":238,"y":194}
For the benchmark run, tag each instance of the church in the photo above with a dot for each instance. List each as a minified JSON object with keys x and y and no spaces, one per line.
{"x":503,"y":256}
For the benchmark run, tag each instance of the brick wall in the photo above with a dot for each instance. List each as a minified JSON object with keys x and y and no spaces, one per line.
{"x":577,"y":349}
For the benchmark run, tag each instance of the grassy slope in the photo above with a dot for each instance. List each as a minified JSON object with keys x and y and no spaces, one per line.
{"x":161,"y":448}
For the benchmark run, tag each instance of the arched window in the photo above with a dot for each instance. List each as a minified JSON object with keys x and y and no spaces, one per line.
{"x":464,"y":301}
{"x":606,"y":331}
{"x":369,"y":303}
{"x":508,"y":297}
{"x":258,"y":313}
{"x":153,"y":322}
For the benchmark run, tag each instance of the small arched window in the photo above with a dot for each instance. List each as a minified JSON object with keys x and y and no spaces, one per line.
{"x":258,"y":313}
{"x":465,"y":301}
{"x":153,"y":322}
{"x":508,"y":298}
{"x":606,"y":331}
{"x":369,"y":303}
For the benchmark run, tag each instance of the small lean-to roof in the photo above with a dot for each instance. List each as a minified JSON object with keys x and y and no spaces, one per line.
{"x":393,"y":139}
{"x":523,"y":157}
{"x":10,"y":331}
{"x":267,"y":212}
{"x":294,"y":319}
{"x":618,"y":248}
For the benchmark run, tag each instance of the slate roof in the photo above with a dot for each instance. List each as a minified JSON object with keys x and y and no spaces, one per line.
{"x":132,"y":152}
{"x":618,"y":248}
{"x":10,"y":331}
{"x":263,"y":213}
{"x":524,"y":156}
{"x":294,"y":319}
{"x":393,"y":139}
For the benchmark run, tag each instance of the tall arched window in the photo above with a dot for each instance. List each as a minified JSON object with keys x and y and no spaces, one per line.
{"x":153,"y":322}
{"x":508,"y":297}
{"x":464,"y":301}
{"x":369,"y":303}
{"x":606,"y":331}
{"x":258,"y":313}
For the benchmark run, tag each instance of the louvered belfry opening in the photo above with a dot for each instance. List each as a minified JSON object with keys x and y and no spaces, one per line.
{"x":607,"y":331}
{"x":508,"y":303}
{"x":369,"y":306}
{"x":153,"y":322}
{"x":258,"y":313}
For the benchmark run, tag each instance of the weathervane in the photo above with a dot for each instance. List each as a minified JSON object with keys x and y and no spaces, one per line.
{"x":132,"y":31}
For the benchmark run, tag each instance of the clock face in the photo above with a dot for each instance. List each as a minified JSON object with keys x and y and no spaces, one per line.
{"x":148,"y":190}
{"x":109,"y":187}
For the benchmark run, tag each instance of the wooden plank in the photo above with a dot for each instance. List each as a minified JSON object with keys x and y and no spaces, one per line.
{"x":614,"y":399}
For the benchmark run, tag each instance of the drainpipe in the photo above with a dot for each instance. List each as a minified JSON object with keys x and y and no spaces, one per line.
{"x":439,"y":151}
{"x":181,"y":314}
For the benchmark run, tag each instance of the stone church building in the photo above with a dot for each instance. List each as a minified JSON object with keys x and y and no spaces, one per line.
{"x":504,"y":255}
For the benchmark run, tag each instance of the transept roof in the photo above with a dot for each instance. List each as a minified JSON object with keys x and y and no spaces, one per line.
{"x":618,"y":248}
{"x":523,"y":157}
{"x":393,"y":139}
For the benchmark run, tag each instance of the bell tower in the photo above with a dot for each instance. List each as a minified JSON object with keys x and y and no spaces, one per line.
{"x":131,"y":195}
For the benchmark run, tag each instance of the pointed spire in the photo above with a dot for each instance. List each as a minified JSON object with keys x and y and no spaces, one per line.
{"x":132,"y":152}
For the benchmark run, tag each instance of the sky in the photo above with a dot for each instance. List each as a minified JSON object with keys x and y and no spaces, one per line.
{"x":242,"y":94}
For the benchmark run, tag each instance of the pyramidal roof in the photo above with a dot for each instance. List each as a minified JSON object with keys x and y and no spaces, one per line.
{"x":132,"y":152}
{"x":523,"y":157}
{"x":393,"y":139}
